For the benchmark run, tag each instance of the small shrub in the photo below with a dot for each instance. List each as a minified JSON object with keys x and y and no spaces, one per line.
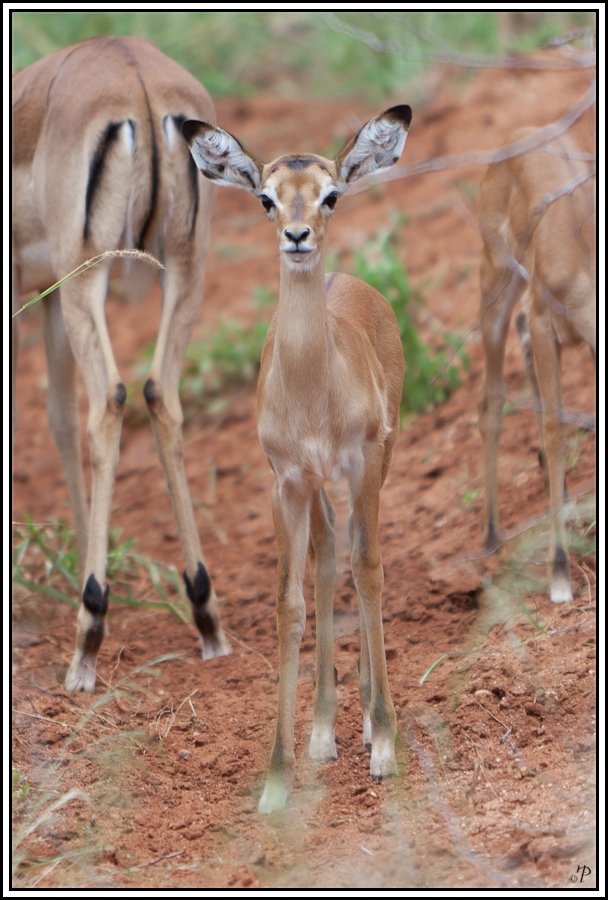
{"x":430,"y":376}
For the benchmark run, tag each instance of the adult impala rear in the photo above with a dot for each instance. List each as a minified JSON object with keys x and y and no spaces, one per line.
{"x":99,"y":163}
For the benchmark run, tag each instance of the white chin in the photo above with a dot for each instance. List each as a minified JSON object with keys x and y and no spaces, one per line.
{"x":302,"y":262}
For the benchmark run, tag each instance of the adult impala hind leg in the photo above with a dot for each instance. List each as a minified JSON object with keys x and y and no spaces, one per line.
{"x":62,"y":413}
{"x":291,"y":505}
{"x":181,"y":301}
{"x":500,"y":290}
{"x":322,"y":552}
{"x":548,"y":368}
{"x":99,"y":164}
{"x":87,"y":331}
{"x":537,"y":218}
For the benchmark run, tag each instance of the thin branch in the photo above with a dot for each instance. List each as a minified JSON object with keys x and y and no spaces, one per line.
{"x":484,"y":157}
{"x":510,"y":262}
{"x":448,"y":57}
{"x":158,"y":859}
{"x":21,"y":712}
{"x":531,"y":524}
{"x":492,"y":716}
{"x":441,"y":805}
{"x":233,"y":637}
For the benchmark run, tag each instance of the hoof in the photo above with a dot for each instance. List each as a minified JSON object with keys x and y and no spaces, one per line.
{"x":561,"y":589}
{"x":216,"y":646}
{"x":81,"y":675}
{"x":322,"y":745}
{"x":560,"y":594}
{"x":274,"y":797}
{"x":383,"y":763}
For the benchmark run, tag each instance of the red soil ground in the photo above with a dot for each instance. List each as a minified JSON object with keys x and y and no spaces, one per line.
{"x":497,"y":746}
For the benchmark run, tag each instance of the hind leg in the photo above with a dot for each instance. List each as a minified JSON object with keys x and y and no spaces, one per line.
{"x":547,"y":366}
{"x":62,"y":410}
{"x":182,"y":284}
{"x":500,"y":289}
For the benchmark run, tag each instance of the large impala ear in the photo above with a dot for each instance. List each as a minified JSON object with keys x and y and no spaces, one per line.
{"x":222,"y":158}
{"x":376,"y":147}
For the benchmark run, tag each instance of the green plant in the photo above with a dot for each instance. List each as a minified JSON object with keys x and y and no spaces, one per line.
{"x":470,"y":497}
{"x":430,"y":376}
{"x":432,"y":667}
{"x":20,"y":788}
{"x":225,"y":356}
{"x":373,"y":54}
{"x":45,"y":560}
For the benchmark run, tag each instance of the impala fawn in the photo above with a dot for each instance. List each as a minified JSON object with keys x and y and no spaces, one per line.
{"x":327,"y":406}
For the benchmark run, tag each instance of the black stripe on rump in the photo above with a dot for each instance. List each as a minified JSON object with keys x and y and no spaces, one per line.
{"x":96,"y":168}
{"x":192,"y":176}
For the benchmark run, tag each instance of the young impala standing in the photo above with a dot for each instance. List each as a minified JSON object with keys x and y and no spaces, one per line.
{"x":99,"y":163}
{"x":328,"y":405}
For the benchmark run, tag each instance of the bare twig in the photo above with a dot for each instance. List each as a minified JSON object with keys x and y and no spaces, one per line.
{"x":21,"y":712}
{"x":485,"y":157}
{"x":175,"y":714}
{"x":469,"y":791}
{"x":233,"y":637}
{"x":502,"y":724}
{"x":448,"y":57}
{"x":586,"y":577}
{"x":158,"y":859}
{"x":446,"y":813}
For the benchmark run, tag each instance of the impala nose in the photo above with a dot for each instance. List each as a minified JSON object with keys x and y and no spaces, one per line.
{"x":297,"y":236}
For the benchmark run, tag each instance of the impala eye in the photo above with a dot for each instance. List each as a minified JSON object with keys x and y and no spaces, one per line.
{"x":267,"y":203}
{"x":330,"y":200}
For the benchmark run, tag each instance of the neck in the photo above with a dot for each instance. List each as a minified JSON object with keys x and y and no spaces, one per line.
{"x":302,"y":338}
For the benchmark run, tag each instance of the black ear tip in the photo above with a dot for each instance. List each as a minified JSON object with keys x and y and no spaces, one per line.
{"x":403,"y":113}
{"x":190,"y":129}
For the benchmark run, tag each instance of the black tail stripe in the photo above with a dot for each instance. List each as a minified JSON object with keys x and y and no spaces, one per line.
{"x":153,"y":173}
{"x":96,"y":168}
{"x":192,"y":175}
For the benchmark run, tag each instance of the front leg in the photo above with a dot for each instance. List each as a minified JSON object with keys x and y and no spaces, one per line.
{"x":291,"y":511}
{"x":323,"y":563}
{"x":378,"y":711}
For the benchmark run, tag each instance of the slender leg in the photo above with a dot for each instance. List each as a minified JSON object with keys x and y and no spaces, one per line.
{"x":14,"y":349}
{"x":291,"y":512}
{"x":82,"y":306}
{"x":547,"y":365}
{"x":62,"y":411}
{"x":181,"y":302}
{"x":525,"y":342}
{"x":369,"y":579}
{"x":500,"y":290}
{"x":323,"y":562}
